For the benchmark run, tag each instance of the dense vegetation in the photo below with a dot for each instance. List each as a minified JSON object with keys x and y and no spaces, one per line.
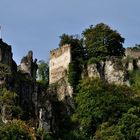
{"x":107,"y":111}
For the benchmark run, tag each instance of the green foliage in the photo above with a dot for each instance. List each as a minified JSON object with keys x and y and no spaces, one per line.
{"x":94,"y":60}
{"x":134,"y":77}
{"x":6,"y":96}
{"x":98,"y":102}
{"x":42,"y":135}
{"x":16,"y":130}
{"x":78,"y":56}
{"x":73,"y":75}
{"x":102,"y":41}
{"x":107,"y":132}
{"x":65,"y":39}
{"x":128,"y":127}
{"x":7,"y":104}
{"x":43,"y":72}
{"x":76,"y":44}
{"x":4,"y":70}
{"x":73,"y":135}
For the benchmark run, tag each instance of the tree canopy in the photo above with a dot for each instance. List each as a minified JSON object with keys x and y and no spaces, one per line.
{"x":78,"y":56}
{"x":102,"y":41}
{"x":16,"y":130}
{"x":43,"y":71}
{"x":99,"y":103}
{"x":76,"y":43}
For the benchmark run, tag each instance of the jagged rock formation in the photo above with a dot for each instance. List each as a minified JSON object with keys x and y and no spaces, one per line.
{"x":5,"y":53}
{"x":7,"y":64}
{"x":17,"y":81}
{"x":132,"y":53}
{"x":37,"y":103}
{"x":112,"y":71}
{"x":59,"y":65}
{"x":28,"y":66}
{"x":132,"y":59}
{"x":115,"y":72}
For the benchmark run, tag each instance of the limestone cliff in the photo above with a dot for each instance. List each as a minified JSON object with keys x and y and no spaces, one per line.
{"x":5,"y":53}
{"x":7,"y":64}
{"x":23,"y":85}
{"x":112,"y":71}
{"x":28,"y":65}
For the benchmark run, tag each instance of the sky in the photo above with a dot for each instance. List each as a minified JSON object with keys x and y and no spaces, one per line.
{"x":37,"y":24}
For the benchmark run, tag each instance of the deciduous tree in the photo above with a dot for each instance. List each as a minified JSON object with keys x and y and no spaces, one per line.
{"x":102,"y":41}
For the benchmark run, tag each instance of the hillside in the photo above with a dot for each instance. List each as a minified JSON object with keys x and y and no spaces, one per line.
{"x":90,"y":91}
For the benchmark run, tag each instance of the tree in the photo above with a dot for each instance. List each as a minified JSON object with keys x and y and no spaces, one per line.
{"x":127,"y":128}
{"x":16,"y":130}
{"x":134,"y":78}
{"x":78,"y":57}
{"x":8,"y":106}
{"x":76,"y":44}
{"x":98,"y":102}
{"x":74,"y":74}
{"x":43,"y":71}
{"x":101,"y":41}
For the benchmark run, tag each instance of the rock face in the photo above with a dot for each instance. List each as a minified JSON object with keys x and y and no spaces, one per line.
{"x":115,"y":73}
{"x":92,"y":71}
{"x":28,"y":66}
{"x":7,"y":64}
{"x":20,"y":82}
{"x":46,"y":107}
{"x":111,"y":71}
{"x":5,"y":53}
{"x":27,"y":96}
{"x":63,"y":89}
{"x":59,"y":62}
{"x":23,"y":82}
{"x":138,"y":63}
{"x":54,"y":104}
{"x":46,"y":101}
{"x":133,"y":53}
{"x":132,"y":59}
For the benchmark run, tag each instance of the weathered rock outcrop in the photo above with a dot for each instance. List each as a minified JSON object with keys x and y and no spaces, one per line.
{"x":27,"y":90}
{"x":59,"y":63}
{"x":5,"y":53}
{"x":92,"y":71}
{"x":37,"y":103}
{"x":7,"y":64}
{"x":24,"y":86}
{"x":112,"y":71}
{"x":28,"y":65}
{"x":46,"y":102}
{"x":54,"y":105}
{"x":132,"y":59}
{"x":115,"y":72}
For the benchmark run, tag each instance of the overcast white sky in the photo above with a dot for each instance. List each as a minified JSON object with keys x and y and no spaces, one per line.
{"x":37,"y":24}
